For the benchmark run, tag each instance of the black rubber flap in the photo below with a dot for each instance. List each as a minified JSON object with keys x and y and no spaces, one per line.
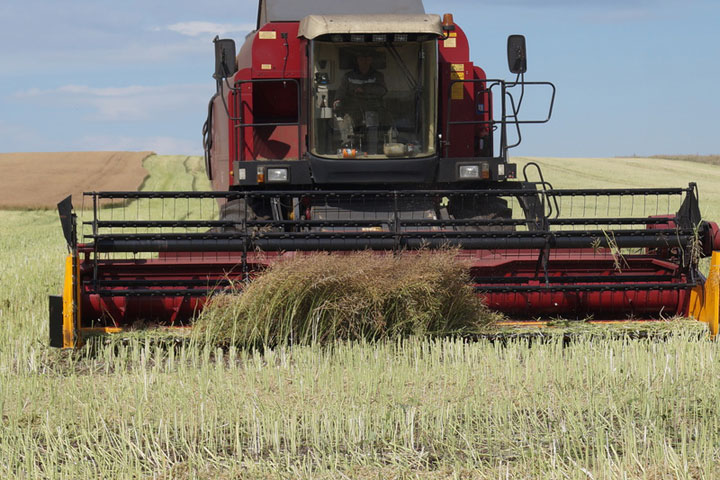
{"x":56,"y":321}
{"x":65,"y":209}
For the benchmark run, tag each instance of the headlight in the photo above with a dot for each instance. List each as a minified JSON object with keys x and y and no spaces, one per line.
{"x":277,"y":175}
{"x":469,"y":171}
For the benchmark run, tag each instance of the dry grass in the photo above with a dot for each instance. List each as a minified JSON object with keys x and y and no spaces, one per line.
{"x":322,"y":298}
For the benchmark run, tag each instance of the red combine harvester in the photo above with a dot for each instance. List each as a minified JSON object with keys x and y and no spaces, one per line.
{"x":345,"y":126}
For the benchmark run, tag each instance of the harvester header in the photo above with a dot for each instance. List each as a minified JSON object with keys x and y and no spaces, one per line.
{"x":346,"y":126}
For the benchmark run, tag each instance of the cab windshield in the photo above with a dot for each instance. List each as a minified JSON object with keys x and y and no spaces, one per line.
{"x":374,"y":100}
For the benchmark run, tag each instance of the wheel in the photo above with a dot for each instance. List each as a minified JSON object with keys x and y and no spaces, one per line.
{"x":480,"y":208}
{"x":235,"y":211}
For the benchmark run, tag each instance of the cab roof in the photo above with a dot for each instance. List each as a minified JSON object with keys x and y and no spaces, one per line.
{"x":314,"y":26}
{"x":296,"y":10}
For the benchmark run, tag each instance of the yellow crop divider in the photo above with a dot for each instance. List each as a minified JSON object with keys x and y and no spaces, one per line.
{"x":71,"y":308}
{"x":705,"y":299}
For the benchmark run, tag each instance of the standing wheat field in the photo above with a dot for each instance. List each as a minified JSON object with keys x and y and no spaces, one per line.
{"x":68,"y":173}
{"x":601,"y":407}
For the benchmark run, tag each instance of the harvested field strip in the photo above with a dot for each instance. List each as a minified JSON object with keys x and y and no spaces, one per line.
{"x":165,"y":173}
{"x":175,"y":173}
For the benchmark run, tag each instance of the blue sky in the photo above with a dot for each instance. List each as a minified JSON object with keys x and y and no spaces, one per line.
{"x":633,"y":76}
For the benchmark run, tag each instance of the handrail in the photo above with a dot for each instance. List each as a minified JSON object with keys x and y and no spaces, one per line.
{"x":236,"y":89}
{"x":506,"y":119}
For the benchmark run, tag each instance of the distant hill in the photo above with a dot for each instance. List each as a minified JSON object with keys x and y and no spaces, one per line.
{"x":711,"y":159}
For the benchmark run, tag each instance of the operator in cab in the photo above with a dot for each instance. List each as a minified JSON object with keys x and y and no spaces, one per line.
{"x":362,"y":89}
{"x":360,"y":97}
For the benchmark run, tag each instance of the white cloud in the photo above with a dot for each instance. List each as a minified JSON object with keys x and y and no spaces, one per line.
{"x":194,"y":29}
{"x":110,"y":57}
{"x":89,"y":91}
{"x":621,"y":15}
{"x":129,"y":103}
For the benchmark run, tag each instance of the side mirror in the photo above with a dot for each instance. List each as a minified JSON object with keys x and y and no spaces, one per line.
{"x":225,"y":64}
{"x":517,"y":54}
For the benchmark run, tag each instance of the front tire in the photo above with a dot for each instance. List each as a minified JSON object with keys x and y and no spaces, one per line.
{"x":481,"y":208}
{"x":236,"y":211}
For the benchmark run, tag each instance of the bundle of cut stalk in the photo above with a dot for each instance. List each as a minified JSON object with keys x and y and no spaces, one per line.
{"x":321,"y":298}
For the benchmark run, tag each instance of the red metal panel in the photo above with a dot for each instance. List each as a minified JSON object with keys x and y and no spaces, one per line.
{"x":275,"y":102}
{"x":209,"y":269}
{"x":466,"y":105}
{"x":713,"y":240}
{"x":240,"y":105}
{"x":274,"y":56}
{"x":462,"y":109}
{"x":575,"y":264}
{"x":483,"y":103}
{"x":244,"y":56}
{"x":605,"y":304}
{"x":220,"y":153}
{"x":455,"y":48}
{"x":273,"y":52}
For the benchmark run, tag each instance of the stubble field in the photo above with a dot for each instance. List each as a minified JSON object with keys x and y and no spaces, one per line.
{"x":602,"y":407}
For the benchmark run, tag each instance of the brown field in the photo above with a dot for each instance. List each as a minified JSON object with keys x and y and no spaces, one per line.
{"x":41,"y":180}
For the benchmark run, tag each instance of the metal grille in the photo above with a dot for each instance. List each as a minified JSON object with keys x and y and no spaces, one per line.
{"x":523,"y":218}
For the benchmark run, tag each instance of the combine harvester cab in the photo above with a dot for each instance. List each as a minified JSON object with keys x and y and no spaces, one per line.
{"x":365,"y":126}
